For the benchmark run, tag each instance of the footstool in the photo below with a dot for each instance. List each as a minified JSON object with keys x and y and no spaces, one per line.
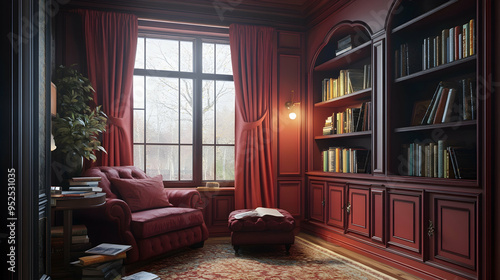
{"x":261,"y":230}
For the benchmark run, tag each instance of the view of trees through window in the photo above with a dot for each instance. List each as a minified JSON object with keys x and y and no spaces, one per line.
{"x":184,"y":109}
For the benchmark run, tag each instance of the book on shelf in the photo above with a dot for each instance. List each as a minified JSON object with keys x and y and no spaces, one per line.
{"x":142,"y":275}
{"x":79,"y":229}
{"x":449,"y":45}
{"x":439,"y":160}
{"x":259,"y":212}
{"x":346,"y":160}
{"x":419,"y":109}
{"x":348,"y":81}
{"x":451,"y":102}
{"x":108,"y":249}
{"x":69,"y":194}
{"x":75,"y":239}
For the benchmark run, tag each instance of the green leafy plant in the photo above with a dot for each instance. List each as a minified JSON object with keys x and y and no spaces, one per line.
{"x":76,"y":127}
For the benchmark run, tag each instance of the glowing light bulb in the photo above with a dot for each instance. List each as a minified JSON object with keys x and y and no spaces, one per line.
{"x":292,"y":115}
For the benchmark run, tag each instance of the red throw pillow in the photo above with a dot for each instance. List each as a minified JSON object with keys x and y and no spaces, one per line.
{"x":142,"y":194}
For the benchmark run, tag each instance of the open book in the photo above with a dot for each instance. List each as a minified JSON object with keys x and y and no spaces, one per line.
{"x":259,"y":212}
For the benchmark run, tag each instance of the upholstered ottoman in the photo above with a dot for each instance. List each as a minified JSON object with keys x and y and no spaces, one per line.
{"x":261,"y":230}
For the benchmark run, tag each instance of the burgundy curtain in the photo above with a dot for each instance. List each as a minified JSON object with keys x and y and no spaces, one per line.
{"x":111,"y":42}
{"x":252,"y":60}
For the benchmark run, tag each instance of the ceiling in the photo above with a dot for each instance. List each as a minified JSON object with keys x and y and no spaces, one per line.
{"x":288,"y":14}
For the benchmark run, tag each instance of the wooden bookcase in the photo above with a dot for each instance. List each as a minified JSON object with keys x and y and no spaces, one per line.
{"x":406,"y":92}
{"x":422,"y":223}
{"x":329,"y":65}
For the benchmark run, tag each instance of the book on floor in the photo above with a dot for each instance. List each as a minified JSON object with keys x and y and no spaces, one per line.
{"x":142,"y":275}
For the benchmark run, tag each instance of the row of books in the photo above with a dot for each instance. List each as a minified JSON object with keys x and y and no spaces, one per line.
{"x":346,"y":160}
{"x":78,"y":187}
{"x":451,"y":44}
{"x":439,"y":160}
{"x":451,"y":102}
{"x":348,"y":81}
{"x":350,"y":120}
{"x":79,"y":243}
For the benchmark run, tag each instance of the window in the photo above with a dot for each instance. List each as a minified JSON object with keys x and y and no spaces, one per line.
{"x":184,"y":110}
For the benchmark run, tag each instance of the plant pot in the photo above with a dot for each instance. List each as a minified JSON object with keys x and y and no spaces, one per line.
{"x":65,"y":166}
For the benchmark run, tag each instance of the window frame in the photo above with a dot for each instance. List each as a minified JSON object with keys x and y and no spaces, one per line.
{"x":198,"y":77}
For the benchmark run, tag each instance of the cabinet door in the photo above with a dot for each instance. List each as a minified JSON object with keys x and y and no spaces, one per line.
{"x":317,"y":201}
{"x":452,"y":230}
{"x":405,"y":221}
{"x":336,"y":205}
{"x":358,"y":210}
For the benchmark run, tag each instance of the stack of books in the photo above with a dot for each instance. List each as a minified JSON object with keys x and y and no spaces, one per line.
{"x":79,"y":242}
{"x":439,"y":160}
{"x":346,"y":160}
{"x":106,"y":262}
{"x":348,"y":81}
{"x":85,"y":184}
{"x":343,"y":45}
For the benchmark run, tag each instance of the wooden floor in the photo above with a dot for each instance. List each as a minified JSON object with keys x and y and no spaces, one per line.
{"x":384,"y":268}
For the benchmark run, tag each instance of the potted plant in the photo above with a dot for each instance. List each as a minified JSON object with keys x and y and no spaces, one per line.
{"x":76,"y":126}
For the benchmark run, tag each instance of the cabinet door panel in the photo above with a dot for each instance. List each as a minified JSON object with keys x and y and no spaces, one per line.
{"x":378,"y":214}
{"x":336,"y":203}
{"x":317,"y":201}
{"x":404,"y":221}
{"x":222,"y":206}
{"x":359,"y":212}
{"x":455,"y":226}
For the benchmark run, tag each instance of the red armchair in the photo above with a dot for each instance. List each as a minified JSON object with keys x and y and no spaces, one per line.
{"x":151,"y":232}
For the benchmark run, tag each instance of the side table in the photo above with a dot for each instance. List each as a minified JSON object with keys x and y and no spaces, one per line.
{"x":67,"y":205}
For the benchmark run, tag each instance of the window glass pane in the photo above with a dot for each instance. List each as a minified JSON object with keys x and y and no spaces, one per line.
{"x":186,"y":56}
{"x":186,"y":163}
{"x":208,"y":58}
{"x":186,"y":102}
{"x":208,"y":111}
{"x":139,"y":156}
{"x":225,"y":112}
{"x":223,"y":60}
{"x":162,"y":110}
{"x":138,"y":92}
{"x":163,"y":160}
{"x":138,"y":126}
{"x":225,"y":163}
{"x":208,"y":163}
{"x":162,"y":54}
{"x":139,"y":54}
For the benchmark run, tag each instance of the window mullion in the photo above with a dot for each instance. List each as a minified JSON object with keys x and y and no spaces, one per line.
{"x":197,"y":114}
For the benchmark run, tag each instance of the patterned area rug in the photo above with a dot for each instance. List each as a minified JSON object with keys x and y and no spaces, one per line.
{"x":216,"y":260}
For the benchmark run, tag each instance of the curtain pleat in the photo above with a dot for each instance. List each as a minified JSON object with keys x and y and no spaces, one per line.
{"x":252,"y":60}
{"x":111,"y":42}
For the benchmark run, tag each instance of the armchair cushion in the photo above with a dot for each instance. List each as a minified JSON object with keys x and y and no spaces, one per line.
{"x":142,"y":194}
{"x":153,"y":222}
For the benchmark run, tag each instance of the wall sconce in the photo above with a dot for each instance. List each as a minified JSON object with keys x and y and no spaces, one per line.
{"x":290,"y":105}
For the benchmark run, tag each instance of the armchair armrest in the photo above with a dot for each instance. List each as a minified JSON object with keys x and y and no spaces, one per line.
{"x":189,"y":198}
{"x":109,"y":222}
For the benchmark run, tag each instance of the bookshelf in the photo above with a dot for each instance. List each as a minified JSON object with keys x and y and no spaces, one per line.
{"x":348,"y":110}
{"x":419,"y":83}
{"x":427,"y":119}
